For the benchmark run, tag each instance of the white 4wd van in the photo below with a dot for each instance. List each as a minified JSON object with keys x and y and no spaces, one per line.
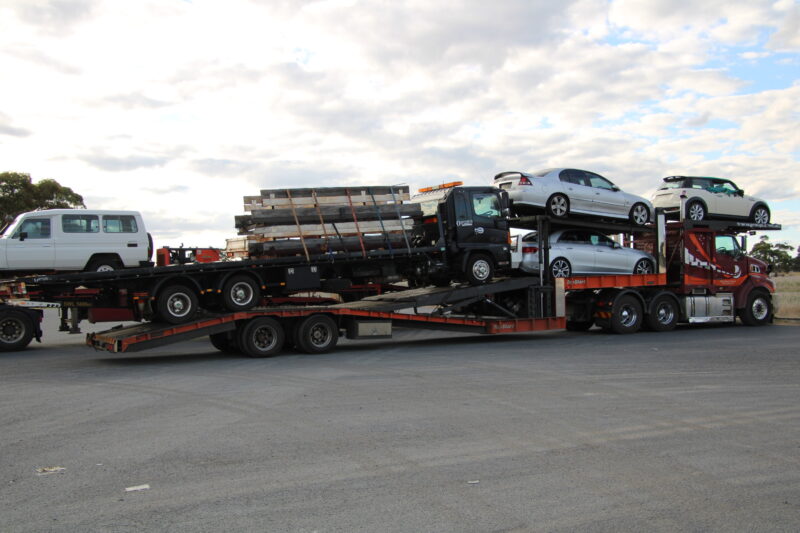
{"x":75,"y":239}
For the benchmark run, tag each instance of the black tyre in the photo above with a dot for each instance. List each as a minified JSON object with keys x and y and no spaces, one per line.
{"x":579,"y":325}
{"x":104,"y":264}
{"x":558,"y":206}
{"x":643,"y":266}
{"x":663,"y":314}
{"x":560,"y":268}
{"x":760,"y":215}
{"x":441,"y":281}
{"x":640,"y":214}
{"x":758,"y":309}
{"x":16,"y":330}
{"x":261,"y":337}
{"x":316,"y":334}
{"x":479,"y":269}
{"x":225,"y":342}
{"x":695,"y":210}
{"x":176,"y":304}
{"x":240,"y":293}
{"x":626,"y":316}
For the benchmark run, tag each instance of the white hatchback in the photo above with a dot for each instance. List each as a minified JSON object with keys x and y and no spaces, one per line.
{"x":709,"y":197}
{"x":75,"y":239}
{"x":562,"y":191}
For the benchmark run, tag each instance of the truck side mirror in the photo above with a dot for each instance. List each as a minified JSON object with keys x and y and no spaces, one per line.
{"x":506,"y":212}
{"x":23,"y":235}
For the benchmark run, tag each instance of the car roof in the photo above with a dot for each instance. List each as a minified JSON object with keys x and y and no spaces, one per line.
{"x":679,"y":178}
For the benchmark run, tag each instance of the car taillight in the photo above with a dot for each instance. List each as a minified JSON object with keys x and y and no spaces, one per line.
{"x":529,"y":249}
{"x":524,"y":181}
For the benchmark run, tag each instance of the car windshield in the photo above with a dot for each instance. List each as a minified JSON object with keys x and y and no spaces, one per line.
{"x":531,"y":237}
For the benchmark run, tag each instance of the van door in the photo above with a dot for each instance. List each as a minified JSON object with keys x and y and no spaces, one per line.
{"x":127,"y":238}
{"x":78,"y":241}
{"x":31,"y":246}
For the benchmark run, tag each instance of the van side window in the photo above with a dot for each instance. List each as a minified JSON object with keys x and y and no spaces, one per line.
{"x":36,"y":228}
{"x":119,"y":224}
{"x":80,"y":224}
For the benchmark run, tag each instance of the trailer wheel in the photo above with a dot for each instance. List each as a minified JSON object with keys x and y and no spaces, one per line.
{"x":16,"y":330}
{"x":240,"y":293}
{"x":261,"y":337}
{"x":176,"y":304}
{"x":316,"y":334}
{"x":626,"y":316}
{"x":663,"y":314}
{"x":225,"y":342}
{"x":758,"y":310}
{"x":480,"y":269}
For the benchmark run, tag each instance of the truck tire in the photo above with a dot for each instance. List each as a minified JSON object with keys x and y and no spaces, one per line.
{"x":261,"y":337}
{"x":104,"y":264}
{"x":626,"y":315}
{"x":663,"y":314}
{"x":479,"y":269}
{"x":579,"y":325}
{"x":240,"y":293}
{"x":758,"y":309}
{"x":176,"y":304}
{"x":316,"y":334}
{"x":16,"y":330}
{"x":225,"y":342}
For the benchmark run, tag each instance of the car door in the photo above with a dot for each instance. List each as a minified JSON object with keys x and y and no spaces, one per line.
{"x":728,"y":201}
{"x":574,"y":245}
{"x":606,"y":197}
{"x":31,"y":247}
{"x":607,"y":255}
{"x":701,"y":189}
{"x":577,"y":189}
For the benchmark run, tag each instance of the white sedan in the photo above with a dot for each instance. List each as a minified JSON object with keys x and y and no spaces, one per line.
{"x":561,"y":191}
{"x":710,"y":197}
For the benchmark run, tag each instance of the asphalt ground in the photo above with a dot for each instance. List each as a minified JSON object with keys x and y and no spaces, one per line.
{"x":692,"y":430}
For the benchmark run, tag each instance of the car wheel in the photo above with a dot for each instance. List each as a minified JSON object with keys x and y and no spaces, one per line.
{"x":695,"y":211}
{"x":760,"y":215}
{"x":643,"y":266}
{"x":560,"y":268}
{"x":639,"y":214}
{"x":558,"y":206}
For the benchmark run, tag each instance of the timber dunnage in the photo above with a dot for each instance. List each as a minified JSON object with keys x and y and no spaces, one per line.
{"x":329,"y":213}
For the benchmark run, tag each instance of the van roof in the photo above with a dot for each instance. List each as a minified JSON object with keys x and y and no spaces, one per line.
{"x":80,"y":212}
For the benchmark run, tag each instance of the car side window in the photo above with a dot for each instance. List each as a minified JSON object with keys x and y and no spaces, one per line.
{"x":600,"y":240}
{"x":80,"y":224}
{"x":599,"y":182}
{"x":701,"y":183}
{"x":725,"y":187}
{"x":569,"y":175}
{"x":119,"y":224}
{"x":36,"y":228}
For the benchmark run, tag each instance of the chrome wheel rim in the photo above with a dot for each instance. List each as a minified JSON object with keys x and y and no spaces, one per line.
{"x":628,"y":316}
{"x":760,"y":308}
{"x":481,"y":269}
{"x":179,"y":304}
{"x":696,"y":212}
{"x":558,"y":206}
{"x":762,"y":216}
{"x":11,"y":330}
{"x":665,"y":313}
{"x":560,"y":269}
{"x":241,"y":293}
{"x":640,"y":215}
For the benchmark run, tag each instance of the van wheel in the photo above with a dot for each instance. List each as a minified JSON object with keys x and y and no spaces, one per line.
{"x":261,"y":337}
{"x":176,"y":304}
{"x":316,"y":334}
{"x":16,"y":330}
{"x":108,"y":264}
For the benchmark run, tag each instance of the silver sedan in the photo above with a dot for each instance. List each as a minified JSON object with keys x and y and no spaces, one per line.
{"x":561,"y":191}
{"x":579,"y":251}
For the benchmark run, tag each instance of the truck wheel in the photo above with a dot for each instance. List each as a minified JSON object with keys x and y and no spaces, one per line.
{"x":224,"y":342}
{"x":579,"y":325}
{"x":316,"y":334}
{"x":240,"y":293}
{"x":176,"y":304}
{"x":626,"y":316}
{"x":103,"y":265}
{"x":643,"y":266}
{"x":560,"y":268}
{"x":695,"y":211}
{"x":16,"y":330}
{"x":261,"y":337}
{"x":558,"y":206}
{"x":479,"y":270}
{"x":663,"y":314}
{"x":639,"y":214}
{"x":758,"y":310}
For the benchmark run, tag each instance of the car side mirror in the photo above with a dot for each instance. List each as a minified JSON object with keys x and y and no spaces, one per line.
{"x":23,"y":236}
{"x":615,"y":188}
{"x":740,"y":192}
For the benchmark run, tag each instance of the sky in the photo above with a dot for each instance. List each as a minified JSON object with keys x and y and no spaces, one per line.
{"x":179,"y":108}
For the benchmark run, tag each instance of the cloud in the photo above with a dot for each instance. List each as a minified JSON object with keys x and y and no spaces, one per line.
{"x":53,"y":16}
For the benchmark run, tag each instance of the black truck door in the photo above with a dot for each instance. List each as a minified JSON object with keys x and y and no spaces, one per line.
{"x":489,"y":226}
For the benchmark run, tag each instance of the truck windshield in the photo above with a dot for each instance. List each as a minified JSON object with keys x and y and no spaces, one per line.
{"x":486,"y":204}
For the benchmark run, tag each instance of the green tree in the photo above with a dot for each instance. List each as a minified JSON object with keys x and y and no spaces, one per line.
{"x":18,"y":194}
{"x":776,"y":254}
